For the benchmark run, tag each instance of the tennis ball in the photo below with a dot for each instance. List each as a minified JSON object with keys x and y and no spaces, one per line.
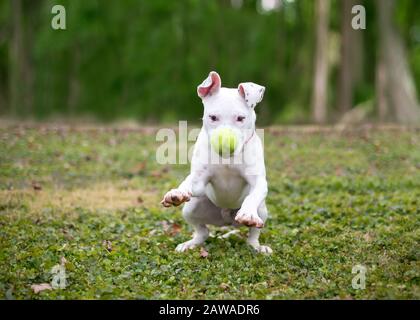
{"x":224,"y":141}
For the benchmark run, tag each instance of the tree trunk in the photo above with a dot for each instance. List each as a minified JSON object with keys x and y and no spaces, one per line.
{"x":381,"y":90}
{"x":402,"y":96}
{"x":21,"y":79}
{"x":351,"y":57}
{"x":16,"y":57}
{"x":74,"y":83}
{"x":29,"y":11}
{"x":320,"y":81}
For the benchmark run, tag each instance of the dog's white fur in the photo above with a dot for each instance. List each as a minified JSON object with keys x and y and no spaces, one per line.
{"x":224,"y":192}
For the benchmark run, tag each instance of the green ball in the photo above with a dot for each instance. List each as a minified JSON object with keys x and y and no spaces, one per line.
{"x":224,"y":141}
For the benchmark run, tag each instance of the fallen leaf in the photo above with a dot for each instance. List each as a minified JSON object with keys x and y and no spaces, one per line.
{"x":224,"y":286}
{"x":36,"y":186}
{"x":171,"y":228}
{"x":41,"y":287}
{"x":175,"y":229}
{"x":138,"y":168}
{"x":156,"y":174}
{"x":66,"y":234}
{"x":339,"y":171}
{"x":203,"y":253}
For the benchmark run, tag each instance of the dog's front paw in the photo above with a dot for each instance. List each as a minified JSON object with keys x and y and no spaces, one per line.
{"x":191,"y":244}
{"x":250,"y":220}
{"x":263,"y":249}
{"x":260,"y":248}
{"x":175,"y":197}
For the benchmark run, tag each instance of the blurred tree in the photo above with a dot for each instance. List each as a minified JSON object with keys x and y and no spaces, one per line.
{"x":396,"y":89}
{"x":21,"y":73}
{"x":17,"y":58}
{"x":143,"y":59}
{"x":350,"y":59}
{"x":320,"y":84}
{"x":4,"y":53}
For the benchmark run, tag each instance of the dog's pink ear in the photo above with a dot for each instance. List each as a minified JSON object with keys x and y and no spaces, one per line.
{"x":251,"y":92}
{"x":209,"y":86}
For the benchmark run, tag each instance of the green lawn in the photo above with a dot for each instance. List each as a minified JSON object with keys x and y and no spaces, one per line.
{"x":336,"y":199}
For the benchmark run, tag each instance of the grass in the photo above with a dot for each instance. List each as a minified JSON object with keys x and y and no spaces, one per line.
{"x":336,"y":198}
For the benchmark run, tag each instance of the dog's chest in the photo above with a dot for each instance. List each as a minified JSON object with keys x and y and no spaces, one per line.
{"x":227,"y":188}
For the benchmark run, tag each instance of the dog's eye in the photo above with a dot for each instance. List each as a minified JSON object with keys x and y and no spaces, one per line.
{"x":240,"y":118}
{"x":213,"y":117}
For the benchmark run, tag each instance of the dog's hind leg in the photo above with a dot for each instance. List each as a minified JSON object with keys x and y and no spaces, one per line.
{"x":198,"y":212}
{"x":201,"y":233}
{"x":254,"y":233}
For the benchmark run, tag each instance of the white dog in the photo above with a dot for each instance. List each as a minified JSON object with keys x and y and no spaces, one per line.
{"x":227,"y":184}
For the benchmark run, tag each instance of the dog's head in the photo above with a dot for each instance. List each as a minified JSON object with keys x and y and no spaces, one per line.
{"x":229,"y":116}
